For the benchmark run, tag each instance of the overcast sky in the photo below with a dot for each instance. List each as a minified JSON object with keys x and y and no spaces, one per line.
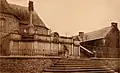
{"x":72,"y":16}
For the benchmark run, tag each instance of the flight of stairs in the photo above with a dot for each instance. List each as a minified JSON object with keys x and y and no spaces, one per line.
{"x":76,"y":66}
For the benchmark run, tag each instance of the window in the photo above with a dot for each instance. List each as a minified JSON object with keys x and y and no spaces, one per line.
{"x":104,"y":41}
{"x":25,"y":30}
{"x":36,"y":31}
{"x":2,"y":22}
{"x":2,"y":25}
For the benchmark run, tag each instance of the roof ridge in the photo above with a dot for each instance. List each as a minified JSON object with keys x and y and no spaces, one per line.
{"x":4,"y":7}
{"x":23,"y":13}
{"x":17,"y":5}
{"x":98,"y":29}
{"x":97,"y":34}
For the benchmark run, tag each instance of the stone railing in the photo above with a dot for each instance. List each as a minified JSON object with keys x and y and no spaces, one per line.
{"x":26,"y":64}
{"x":87,"y":51}
{"x":37,"y":45}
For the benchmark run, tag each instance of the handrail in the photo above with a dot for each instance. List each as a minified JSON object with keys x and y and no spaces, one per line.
{"x":86,"y":49}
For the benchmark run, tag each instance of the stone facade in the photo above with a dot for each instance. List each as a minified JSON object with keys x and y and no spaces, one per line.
{"x":113,"y":63}
{"x":105,"y":42}
{"x":8,"y":24}
{"x":25,"y":64}
{"x":38,"y":45}
{"x":15,"y":38}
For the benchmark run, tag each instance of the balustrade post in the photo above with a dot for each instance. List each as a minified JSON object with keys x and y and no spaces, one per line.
{"x":50,"y":45}
{"x":35,"y":48}
{"x":79,"y":51}
{"x":11,"y":47}
{"x":19,"y":49}
{"x":72,"y":47}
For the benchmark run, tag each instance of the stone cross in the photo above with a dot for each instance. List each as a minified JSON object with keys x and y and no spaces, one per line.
{"x":31,"y":26}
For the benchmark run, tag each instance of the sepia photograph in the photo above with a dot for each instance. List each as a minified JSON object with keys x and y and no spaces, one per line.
{"x":59,"y":36}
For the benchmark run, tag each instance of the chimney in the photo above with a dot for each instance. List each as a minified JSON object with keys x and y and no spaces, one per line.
{"x":114,"y":24}
{"x":81,"y":35}
{"x":31,"y":26}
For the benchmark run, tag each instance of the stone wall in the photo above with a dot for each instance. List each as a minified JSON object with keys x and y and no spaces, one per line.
{"x":38,"y":29}
{"x":39,"y":45}
{"x":113,"y":63}
{"x":25,"y":64}
{"x":5,"y":46}
{"x":42,"y":30}
{"x":10,"y":24}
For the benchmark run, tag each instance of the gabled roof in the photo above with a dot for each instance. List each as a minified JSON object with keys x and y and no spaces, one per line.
{"x":94,"y":35}
{"x":21,"y":12}
{"x":97,"y":34}
{"x":4,"y":7}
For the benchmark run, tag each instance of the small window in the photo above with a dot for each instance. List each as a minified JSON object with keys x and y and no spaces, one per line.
{"x":2,"y":22}
{"x":3,"y":25}
{"x":104,"y":41}
{"x":36,"y":31}
{"x":25,"y":30}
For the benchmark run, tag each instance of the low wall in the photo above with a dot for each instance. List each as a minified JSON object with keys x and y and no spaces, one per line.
{"x":22,"y":64}
{"x":113,"y":63}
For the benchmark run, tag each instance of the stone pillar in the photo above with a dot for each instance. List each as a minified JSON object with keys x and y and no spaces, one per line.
{"x":79,"y":51}
{"x":50,"y":44}
{"x":52,"y":47}
{"x":11,"y":47}
{"x":19,"y":49}
{"x":72,"y":48}
{"x":59,"y":45}
{"x":36,"y":47}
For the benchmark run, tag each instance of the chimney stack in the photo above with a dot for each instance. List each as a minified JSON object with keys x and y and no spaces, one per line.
{"x":81,"y":35}
{"x":114,"y":24}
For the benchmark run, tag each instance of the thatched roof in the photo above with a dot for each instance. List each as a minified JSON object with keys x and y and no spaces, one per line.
{"x":21,"y":12}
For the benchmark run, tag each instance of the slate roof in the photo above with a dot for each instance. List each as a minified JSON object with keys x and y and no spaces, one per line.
{"x":4,"y":7}
{"x":94,"y":35}
{"x":97,"y":34}
{"x":21,"y":13}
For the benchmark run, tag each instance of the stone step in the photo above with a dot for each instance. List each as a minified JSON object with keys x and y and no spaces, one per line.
{"x":76,"y":66}
{"x":80,"y":62}
{"x":72,"y":65}
{"x":81,"y":69}
{"x":82,"y":72}
{"x":85,"y":59}
{"x":76,"y":70}
{"x":75,"y":61}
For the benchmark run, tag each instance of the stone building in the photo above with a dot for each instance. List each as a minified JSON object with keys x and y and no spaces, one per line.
{"x":103,"y":42}
{"x":22,"y":32}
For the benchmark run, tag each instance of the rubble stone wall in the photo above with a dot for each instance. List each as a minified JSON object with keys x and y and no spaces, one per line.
{"x":113,"y":63}
{"x":25,"y":64}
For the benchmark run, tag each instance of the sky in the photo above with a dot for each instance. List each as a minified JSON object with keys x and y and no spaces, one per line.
{"x":68,"y":17}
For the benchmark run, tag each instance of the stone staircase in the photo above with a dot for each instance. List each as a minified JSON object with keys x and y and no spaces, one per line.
{"x":76,"y":66}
